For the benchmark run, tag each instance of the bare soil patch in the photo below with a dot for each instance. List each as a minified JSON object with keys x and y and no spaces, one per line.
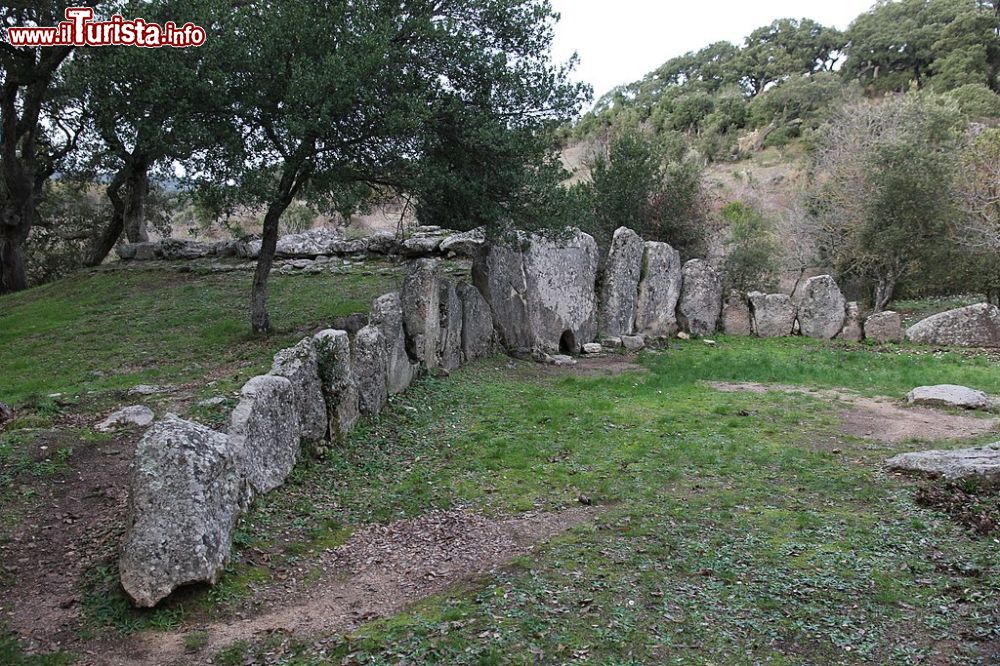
{"x":881,"y":419}
{"x":976,"y":511}
{"x":605,"y":365}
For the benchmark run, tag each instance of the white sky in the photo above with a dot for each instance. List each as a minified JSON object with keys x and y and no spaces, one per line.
{"x":619,"y":41}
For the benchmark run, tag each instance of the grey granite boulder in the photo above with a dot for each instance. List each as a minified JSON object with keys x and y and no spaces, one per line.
{"x":175,"y":249}
{"x":773,"y":315}
{"x":822,"y":309}
{"x":478,"y":334}
{"x":852,"y":331}
{"x":884,"y":327}
{"x":420,"y":299}
{"x":449,"y":348}
{"x":972,"y":326}
{"x":659,"y":291}
{"x":186,"y":494}
{"x":620,"y":284}
{"x":137,"y":415}
{"x":421,"y":246}
{"x":980,"y":465}
{"x":465,"y":244}
{"x":949,"y":395}
{"x":701,"y":298}
{"x":387,"y":316}
{"x":541,"y":290}
{"x":312,"y":243}
{"x":264,"y":432}
{"x":384,"y":243}
{"x":369,"y":365}
{"x":340,"y":392}
{"x":300,"y":366}
{"x":736,"y":315}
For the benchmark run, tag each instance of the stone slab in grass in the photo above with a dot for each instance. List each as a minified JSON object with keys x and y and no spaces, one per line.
{"x":949,"y":395}
{"x":981,"y":464}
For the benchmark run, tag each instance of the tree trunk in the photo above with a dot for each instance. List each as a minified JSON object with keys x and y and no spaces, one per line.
{"x":12,"y":274}
{"x":137,"y":189}
{"x":101,"y":246}
{"x":259,"y":320}
{"x":883,"y":293}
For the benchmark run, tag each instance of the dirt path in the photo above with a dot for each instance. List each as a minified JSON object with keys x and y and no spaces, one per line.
{"x":378,"y":572}
{"x":881,"y":419}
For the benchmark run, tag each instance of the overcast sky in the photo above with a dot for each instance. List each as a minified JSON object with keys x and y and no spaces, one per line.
{"x":621,"y":40}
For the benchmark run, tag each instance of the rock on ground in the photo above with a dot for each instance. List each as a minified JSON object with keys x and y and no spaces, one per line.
{"x":949,"y":395}
{"x":541,"y":290}
{"x":449,"y":349}
{"x":264,"y":432}
{"x":633,"y":342}
{"x":852,"y":331}
{"x":593,"y":348}
{"x":186,"y":494}
{"x":822,"y":309}
{"x":369,"y":361}
{"x":333,"y":351}
{"x":620,"y":284}
{"x":308,"y":244}
{"x":884,"y":327}
{"x":138,"y":415}
{"x":659,"y":291}
{"x":972,"y":326}
{"x":981,"y":465}
{"x":387,"y":316}
{"x":300,"y":366}
{"x":773,"y":315}
{"x":464,"y":244}
{"x":421,"y":311}
{"x":701,"y":298}
{"x":478,"y":335}
{"x":736,"y":315}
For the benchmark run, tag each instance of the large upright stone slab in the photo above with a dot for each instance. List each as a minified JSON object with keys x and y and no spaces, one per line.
{"x":822,"y":309}
{"x":186,"y":494}
{"x":980,"y":465}
{"x":300,"y":366}
{"x":387,"y":316}
{"x":773,"y":315}
{"x":478,"y":334}
{"x":620,"y":284}
{"x":884,"y":327}
{"x":369,"y":365}
{"x":972,"y":326}
{"x":333,"y":351}
{"x":264,"y":432}
{"x":420,"y":298}
{"x":541,"y":290}
{"x":701,"y":298}
{"x":659,"y":291}
{"x":736,"y":315}
{"x":449,"y":348}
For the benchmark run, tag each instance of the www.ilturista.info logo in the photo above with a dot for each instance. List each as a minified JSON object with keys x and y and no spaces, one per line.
{"x":79,"y":29}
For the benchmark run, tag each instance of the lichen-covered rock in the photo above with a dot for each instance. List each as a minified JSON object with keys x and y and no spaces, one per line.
{"x":478,"y":334}
{"x":449,"y":348}
{"x":421,"y":311}
{"x":972,"y":326}
{"x":264,"y":432}
{"x":333,"y":351}
{"x":186,"y":494}
{"x":174,"y":249}
{"x":541,"y":290}
{"x":659,"y":291}
{"x":736,"y":315}
{"x":852,"y":331}
{"x":633,"y":343}
{"x":773,"y":315}
{"x":421,"y":246}
{"x":884,"y":327}
{"x":949,"y":395}
{"x":300,"y":366}
{"x":369,"y":365}
{"x":387,"y":316}
{"x":822,"y":309}
{"x":701,"y":298}
{"x":137,"y":415}
{"x":980,"y":465}
{"x":465,"y":244}
{"x":385,"y":243}
{"x":620,"y":284}
{"x":308,"y":244}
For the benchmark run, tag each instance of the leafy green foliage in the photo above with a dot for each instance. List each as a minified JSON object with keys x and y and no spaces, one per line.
{"x":752,"y":249}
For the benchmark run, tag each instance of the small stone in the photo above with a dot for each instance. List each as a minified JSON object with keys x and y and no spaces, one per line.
{"x":683,"y":336}
{"x":138,"y":415}
{"x":561,"y":360}
{"x":592,"y":348}
{"x":612,"y":343}
{"x":633,"y":342}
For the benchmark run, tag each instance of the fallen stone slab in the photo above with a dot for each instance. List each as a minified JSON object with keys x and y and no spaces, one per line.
{"x":264,"y":432}
{"x":464,"y":244}
{"x":186,"y":494}
{"x":972,"y":326}
{"x":980,"y":465}
{"x":137,"y":415}
{"x":949,"y":395}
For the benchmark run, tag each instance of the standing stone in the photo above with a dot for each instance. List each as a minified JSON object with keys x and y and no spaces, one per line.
{"x":884,"y":327}
{"x":333,"y":350}
{"x":620,"y":285}
{"x":822,"y":309}
{"x":659,"y":291}
{"x":852,"y":331}
{"x":387,"y":316}
{"x":449,"y":348}
{"x":773,"y":315}
{"x":972,"y":326}
{"x":478,"y":335}
{"x":264,"y":431}
{"x":300,"y":366}
{"x":541,"y":290}
{"x":421,"y":311}
{"x":736,"y":315}
{"x":185,"y":495}
{"x":701,"y":298}
{"x":369,"y":364}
